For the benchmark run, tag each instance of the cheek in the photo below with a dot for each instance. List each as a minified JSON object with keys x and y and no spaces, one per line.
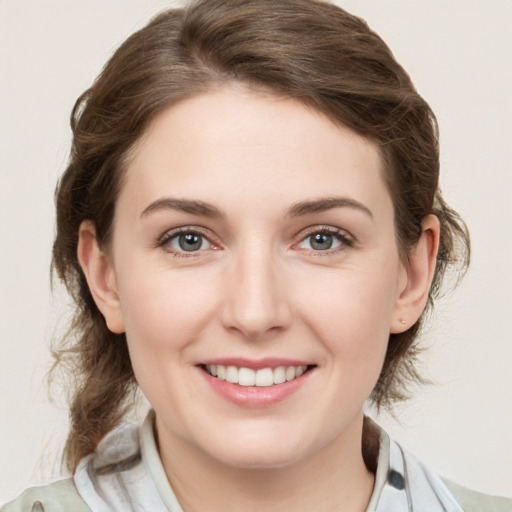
{"x":351,"y":311}
{"x":164,"y":315}
{"x":165,"y":311}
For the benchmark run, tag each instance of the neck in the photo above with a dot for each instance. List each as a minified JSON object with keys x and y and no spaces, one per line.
{"x":333,"y":478}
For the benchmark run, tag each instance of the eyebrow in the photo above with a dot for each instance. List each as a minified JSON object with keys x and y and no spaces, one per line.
{"x":302,"y":208}
{"x":324,"y":204}
{"x":183,"y":205}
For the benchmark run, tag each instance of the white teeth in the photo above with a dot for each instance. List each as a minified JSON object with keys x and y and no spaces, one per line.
{"x":246,"y":377}
{"x":279,"y":375}
{"x":221,"y":372}
{"x":232,"y":374}
{"x":290,"y":373}
{"x":262,"y":378}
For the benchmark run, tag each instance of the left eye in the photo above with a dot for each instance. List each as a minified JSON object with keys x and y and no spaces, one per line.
{"x":189,"y":242}
{"x":321,"y":241}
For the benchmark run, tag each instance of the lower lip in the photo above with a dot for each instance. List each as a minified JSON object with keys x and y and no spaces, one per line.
{"x":255,"y":396}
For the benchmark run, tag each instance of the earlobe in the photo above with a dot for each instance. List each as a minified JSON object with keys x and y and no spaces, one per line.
{"x":419,"y":272}
{"x":99,"y":273}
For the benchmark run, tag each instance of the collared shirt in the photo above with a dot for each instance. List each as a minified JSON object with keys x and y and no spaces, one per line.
{"x":126,"y":474}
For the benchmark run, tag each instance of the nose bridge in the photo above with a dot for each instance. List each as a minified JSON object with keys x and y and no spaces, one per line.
{"x":257,"y":301}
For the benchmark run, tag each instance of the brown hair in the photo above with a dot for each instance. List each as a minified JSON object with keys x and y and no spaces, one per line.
{"x":310,"y":51}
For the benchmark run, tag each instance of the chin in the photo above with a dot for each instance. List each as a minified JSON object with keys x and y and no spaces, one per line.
{"x":259,"y":452}
{"x":258,"y":459}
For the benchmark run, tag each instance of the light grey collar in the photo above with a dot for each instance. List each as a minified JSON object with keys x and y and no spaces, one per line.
{"x":404,"y":484}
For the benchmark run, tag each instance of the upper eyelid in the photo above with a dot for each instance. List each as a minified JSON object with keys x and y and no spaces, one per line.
{"x":173,"y":232}
{"x":345,"y":237}
{"x":325,"y":229}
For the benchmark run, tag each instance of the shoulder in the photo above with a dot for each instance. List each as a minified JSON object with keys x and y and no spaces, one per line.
{"x":422,"y":488}
{"x":60,"y":496}
{"x":473,"y":501}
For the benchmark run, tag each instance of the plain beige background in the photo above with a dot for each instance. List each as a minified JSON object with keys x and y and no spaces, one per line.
{"x":458,"y":54}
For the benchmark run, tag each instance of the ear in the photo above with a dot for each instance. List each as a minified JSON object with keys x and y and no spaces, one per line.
{"x":100,"y":276}
{"x":419,"y":272}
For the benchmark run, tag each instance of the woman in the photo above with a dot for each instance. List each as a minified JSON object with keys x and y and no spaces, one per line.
{"x":251,"y":227}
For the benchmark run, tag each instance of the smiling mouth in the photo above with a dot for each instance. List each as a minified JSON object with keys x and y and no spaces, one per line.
{"x":264,"y":377}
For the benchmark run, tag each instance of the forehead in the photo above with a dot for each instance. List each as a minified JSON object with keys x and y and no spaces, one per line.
{"x":234,"y":143}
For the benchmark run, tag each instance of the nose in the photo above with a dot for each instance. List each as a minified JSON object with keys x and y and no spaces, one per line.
{"x":257,"y":303}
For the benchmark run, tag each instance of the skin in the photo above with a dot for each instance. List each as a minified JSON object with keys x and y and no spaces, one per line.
{"x":257,"y":288}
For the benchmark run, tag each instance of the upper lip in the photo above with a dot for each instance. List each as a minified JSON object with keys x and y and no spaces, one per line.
{"x":255,"y":364}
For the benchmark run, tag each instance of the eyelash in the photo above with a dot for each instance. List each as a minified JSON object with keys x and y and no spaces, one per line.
{"x":344,"y":239}
{"x":164,"y":240}
{"x":342,"y":236}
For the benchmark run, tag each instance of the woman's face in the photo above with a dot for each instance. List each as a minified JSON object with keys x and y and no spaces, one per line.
{"x":254,"y":239}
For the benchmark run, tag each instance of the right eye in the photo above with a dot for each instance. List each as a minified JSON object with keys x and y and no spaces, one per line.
{"x":189,"y":242}
{"x":185,"y":241}
{"x":321,"y":241}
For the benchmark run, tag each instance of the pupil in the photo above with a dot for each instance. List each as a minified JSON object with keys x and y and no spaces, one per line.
{"x":321,"y":241}
{"x":190,"y":242}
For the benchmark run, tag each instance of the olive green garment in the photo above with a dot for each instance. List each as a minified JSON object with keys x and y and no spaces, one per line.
{"x":472,"y":501}
{"x":59,"y":496}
